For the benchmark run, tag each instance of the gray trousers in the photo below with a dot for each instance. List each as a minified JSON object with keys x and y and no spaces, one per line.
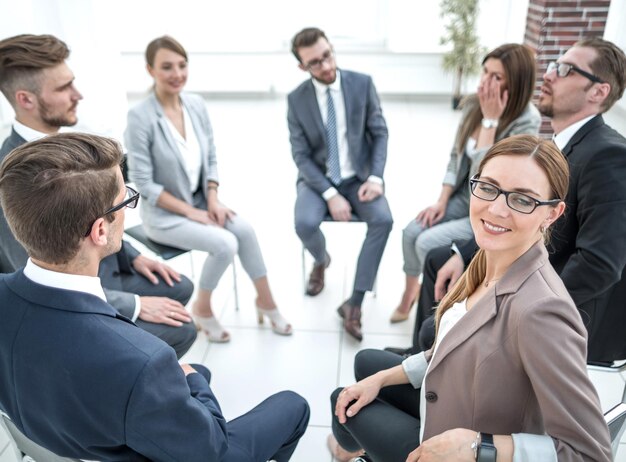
{"x":310,"y":210}
{"x":417,"y":241}
{"x":389,"y":427}
{"x":222,"y":244}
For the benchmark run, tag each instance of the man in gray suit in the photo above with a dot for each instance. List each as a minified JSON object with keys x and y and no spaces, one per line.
{"x":339,"y":144}
{"x":40,"y":87}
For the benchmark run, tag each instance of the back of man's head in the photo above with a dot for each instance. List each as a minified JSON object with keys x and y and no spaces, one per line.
{"x":53,"y":189}
{"x":22,"y":60}
{"x":609,"y":65}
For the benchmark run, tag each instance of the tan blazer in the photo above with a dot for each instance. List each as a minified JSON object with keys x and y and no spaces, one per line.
{"x":516,"y":363}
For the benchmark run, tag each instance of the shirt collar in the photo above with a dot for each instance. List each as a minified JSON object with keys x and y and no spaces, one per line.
{"x":27,"y":133}
{"x":563,"y":138}
{"x":76,"y":282}
{"x":320,"y":87}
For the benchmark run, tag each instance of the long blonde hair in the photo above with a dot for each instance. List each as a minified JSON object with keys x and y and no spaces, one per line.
{"x":552,"y":162}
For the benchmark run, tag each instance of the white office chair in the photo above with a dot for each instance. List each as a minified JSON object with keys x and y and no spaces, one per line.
{"x":26,"y":449}
{"x":616,"y":420}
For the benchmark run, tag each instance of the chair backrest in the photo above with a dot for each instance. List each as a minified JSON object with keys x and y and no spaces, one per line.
{"x":616,"y":420}
{"x":23,"y":445}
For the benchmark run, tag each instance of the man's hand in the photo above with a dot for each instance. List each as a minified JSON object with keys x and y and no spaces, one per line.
{"x":163,"y":310}
{"x":370,"y":191}
{"x":431,"y":215}
{"x":339,"y":208}
{"x":148,"y":267}
{"x":187,"y":369}
{"x":363,"y":392}
{"x":451,"y":445}
{"x":220,"y":213}
{"x":447,"y":276}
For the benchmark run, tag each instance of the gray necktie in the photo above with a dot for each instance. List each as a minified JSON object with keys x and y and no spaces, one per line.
{"x":334,"y":172}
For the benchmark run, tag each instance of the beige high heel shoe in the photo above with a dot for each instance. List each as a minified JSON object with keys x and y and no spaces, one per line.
{"x":212,"y":328}
{"x":280,"y":325}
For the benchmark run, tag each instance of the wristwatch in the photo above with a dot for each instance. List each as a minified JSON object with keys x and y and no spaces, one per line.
{"x":487,"y":451}
{"x":490,"y":123}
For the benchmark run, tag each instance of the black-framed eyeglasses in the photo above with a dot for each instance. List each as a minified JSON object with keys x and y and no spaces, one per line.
{"x":517,"y":201}
{"x":317,"y":64}
{"x":563,"y":70}
{"x":130,"y":200}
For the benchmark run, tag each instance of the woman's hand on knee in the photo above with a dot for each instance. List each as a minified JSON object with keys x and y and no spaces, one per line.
{"x":355,"y":397}
{"x":220,"y":213}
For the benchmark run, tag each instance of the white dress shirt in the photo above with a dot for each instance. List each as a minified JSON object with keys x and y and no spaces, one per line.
{"x":189,"y":149}
{"x":80,"y":283}
{"x":561,"y":139}
{"x":345,"y":164}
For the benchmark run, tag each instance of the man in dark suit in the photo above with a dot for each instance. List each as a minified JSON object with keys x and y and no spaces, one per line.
{"x":588,"y":244}
{"x":76,"y":376}
{"x":339,"y":144}
{"x":38,"y":84}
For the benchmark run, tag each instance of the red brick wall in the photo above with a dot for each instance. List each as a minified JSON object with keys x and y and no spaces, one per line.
{"x":552,"y":26}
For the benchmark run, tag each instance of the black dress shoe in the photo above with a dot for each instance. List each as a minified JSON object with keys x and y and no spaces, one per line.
{"x":351,"y":319}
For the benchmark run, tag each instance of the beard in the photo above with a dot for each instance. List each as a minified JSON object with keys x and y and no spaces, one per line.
{"x":545,"y":109}
{"x":55,"y":119}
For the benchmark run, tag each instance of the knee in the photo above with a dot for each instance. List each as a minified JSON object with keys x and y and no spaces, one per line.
{"x":227,"y":248}
{"x":364,"y":362}
{"x":333,"y":399}
{"x":382,"y":222}
{"x":306,"y":227}
{"x":296,"y":404}
{"x":411,"y":232}
{"x":183,"y":290}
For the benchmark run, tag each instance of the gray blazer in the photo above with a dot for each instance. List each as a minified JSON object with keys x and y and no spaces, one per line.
{"x":528,"y":123}
{"x":366,"y":127}
{"x":13,"y":256}
{"x":155,"y":163}
{"x":516,"y":363}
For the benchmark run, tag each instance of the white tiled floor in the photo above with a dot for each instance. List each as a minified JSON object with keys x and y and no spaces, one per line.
{"x":258,"y":181}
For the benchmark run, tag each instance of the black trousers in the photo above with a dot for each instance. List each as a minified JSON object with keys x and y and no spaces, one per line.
{"x":389,"y":427}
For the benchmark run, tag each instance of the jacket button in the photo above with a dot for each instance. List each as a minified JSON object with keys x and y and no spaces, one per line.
{"x":431,"y":396}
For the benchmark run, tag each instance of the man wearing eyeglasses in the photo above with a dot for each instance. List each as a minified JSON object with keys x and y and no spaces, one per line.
{"x":39,"y":85}
{"x":339,"y":144}
{"x":77,"y":377}
{"x":588,"y":244}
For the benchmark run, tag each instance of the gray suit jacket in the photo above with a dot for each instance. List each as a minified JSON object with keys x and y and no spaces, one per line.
{"x":366,"y":127}
{"x":516,"y":363}
{"x":155,"y":163}
{"x":13,"y":256}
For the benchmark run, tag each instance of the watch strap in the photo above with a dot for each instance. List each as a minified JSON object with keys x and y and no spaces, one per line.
{"x":487,"y":451}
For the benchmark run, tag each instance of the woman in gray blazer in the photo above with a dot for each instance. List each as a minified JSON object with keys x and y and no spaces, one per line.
{"x":499,"y":109}
{"x":510,"y":354}
{"x":171,"y":159}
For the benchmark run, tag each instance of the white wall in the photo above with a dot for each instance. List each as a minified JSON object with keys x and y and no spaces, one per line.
{"x":242,"y":46}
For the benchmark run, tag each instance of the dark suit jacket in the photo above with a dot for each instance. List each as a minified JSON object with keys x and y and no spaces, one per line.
{"x":13,"y":256}
{"x":588,"y":247}
{"x":366,"y":128}
{"x":85,"y":382}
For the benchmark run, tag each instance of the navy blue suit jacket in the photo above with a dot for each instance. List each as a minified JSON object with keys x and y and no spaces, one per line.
{"x":82,"y":380}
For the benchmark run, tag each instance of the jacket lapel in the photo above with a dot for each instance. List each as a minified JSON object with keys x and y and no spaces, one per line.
{"x":311,"y":107}
{"x":165,"y":129}
{"x":488,"y":306}
{"x":597,"y":121}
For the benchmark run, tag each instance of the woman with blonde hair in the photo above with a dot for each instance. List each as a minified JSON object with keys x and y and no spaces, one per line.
{"x":507,"y":374}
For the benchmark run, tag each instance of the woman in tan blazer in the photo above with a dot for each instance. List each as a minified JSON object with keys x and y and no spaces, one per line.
{"x":508,"y":371}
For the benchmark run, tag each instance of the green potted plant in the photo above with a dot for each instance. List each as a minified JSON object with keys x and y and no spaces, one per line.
{"x":464,"y":57}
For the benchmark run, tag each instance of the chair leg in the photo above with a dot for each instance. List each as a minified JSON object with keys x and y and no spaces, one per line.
{"x":303,"y":271}
{"x":235,"y":286}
